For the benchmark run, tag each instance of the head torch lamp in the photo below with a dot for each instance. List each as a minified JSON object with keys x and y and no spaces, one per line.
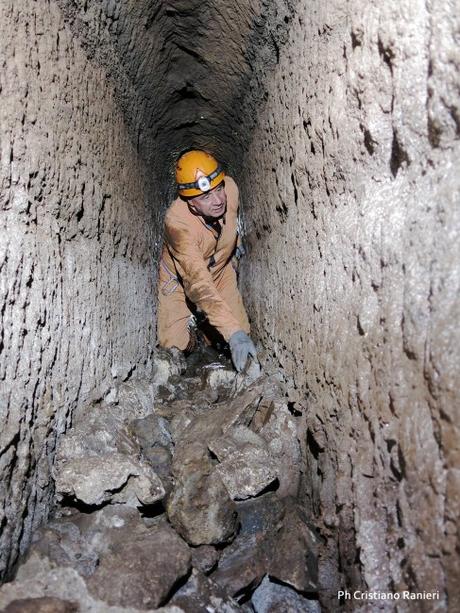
{"x":202,"y":183}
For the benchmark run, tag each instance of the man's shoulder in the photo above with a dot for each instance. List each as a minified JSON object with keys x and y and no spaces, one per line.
{"x":230,"y":184}
{"x":232,"y":193}
{"x":177,"y":212}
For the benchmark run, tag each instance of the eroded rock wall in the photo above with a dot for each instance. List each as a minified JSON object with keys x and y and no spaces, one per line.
{"x":351,"y":198}
{"x":186,"y":61}
{"x":77,"y":276}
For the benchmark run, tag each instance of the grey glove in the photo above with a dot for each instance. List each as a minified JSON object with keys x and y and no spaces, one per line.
{"x":241,"y":347}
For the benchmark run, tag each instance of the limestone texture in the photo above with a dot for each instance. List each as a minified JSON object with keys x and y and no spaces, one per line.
{"x":247,"y":472}
{"x":351,"y":196}
{"x":341,"y":124}
{"x":76,"y":246}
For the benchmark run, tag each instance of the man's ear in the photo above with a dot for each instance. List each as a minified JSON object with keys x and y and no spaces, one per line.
{"x":192,"y":208}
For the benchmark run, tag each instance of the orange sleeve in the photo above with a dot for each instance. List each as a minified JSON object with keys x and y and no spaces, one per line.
{"x":196,"y":278}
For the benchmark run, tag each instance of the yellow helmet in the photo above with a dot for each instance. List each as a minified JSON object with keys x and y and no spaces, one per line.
{"x":197,"y":172}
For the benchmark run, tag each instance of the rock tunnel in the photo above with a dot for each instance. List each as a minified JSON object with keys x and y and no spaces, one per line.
{"x":340,"y":123}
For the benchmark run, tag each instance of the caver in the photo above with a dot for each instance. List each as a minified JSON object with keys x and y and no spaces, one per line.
{"x":196,"y":272}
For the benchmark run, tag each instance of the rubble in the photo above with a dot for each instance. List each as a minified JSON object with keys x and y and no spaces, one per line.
{"x":186,"y":502}
{"x":200,"y":593}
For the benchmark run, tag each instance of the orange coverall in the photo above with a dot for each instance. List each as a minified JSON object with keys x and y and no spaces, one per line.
{"x":196,"y":264}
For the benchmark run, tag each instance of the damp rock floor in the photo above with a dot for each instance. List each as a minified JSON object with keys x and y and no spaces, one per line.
{"x":177,"y":494}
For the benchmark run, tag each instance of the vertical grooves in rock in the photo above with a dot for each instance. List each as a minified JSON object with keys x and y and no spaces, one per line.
{"x":341,"y":125}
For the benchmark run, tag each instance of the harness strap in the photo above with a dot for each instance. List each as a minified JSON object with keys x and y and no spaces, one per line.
{"x":167,"y":288}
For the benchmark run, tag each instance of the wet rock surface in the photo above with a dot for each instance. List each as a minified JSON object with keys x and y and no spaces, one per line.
{"x":202,"y":532}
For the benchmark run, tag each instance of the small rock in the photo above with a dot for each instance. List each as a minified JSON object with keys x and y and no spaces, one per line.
{"x":154,"y":438}
{"x":160,"y":459}
{"x":64,"y":549}
{"x":135,"y":399}
{"x":150,"y":431}
{"x":260,"y":516}
{"x":281,"y":435}
{"x":167,"y":363}
{"x":271,"y":597}
{"x":234,"y":440}
{"x":247,"y":472}
{"x":180,"y":423}
{"x":217,"y":377}
{"x":263,"y":414}
{"x":204,"y":558}
{"x":251,"y":373}
{"x":201,"y":594}
{"x":172,"y":409}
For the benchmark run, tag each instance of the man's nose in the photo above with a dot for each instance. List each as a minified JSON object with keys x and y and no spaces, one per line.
{"x":217,"y":198}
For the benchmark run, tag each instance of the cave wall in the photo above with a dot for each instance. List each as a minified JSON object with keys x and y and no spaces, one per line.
{"x":350,"y":187}
{"x":187,"y":64}
{"x":76,"y":245}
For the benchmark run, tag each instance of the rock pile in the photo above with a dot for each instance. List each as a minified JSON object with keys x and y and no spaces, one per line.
{"x":178,"y":493}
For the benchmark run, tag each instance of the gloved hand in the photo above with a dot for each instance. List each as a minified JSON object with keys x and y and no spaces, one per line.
{"x":241,"y":348}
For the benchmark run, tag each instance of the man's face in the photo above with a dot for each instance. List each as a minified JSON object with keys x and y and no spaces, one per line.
{"x":212,"y":203}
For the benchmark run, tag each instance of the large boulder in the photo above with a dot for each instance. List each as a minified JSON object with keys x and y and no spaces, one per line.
{"x":140,"y":570}
{"x":275,"y":539}
{"x":113,"y":477}
{"x":199,"y":506}
{"x":39,"y":578}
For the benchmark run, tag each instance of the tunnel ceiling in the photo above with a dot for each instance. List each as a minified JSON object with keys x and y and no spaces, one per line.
{"x":182,"y":68}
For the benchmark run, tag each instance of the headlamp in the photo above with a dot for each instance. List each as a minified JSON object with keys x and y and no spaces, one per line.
{"x":202,"y":183}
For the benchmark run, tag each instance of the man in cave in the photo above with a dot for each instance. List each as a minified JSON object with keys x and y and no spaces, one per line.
{"x":197,"y":276}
